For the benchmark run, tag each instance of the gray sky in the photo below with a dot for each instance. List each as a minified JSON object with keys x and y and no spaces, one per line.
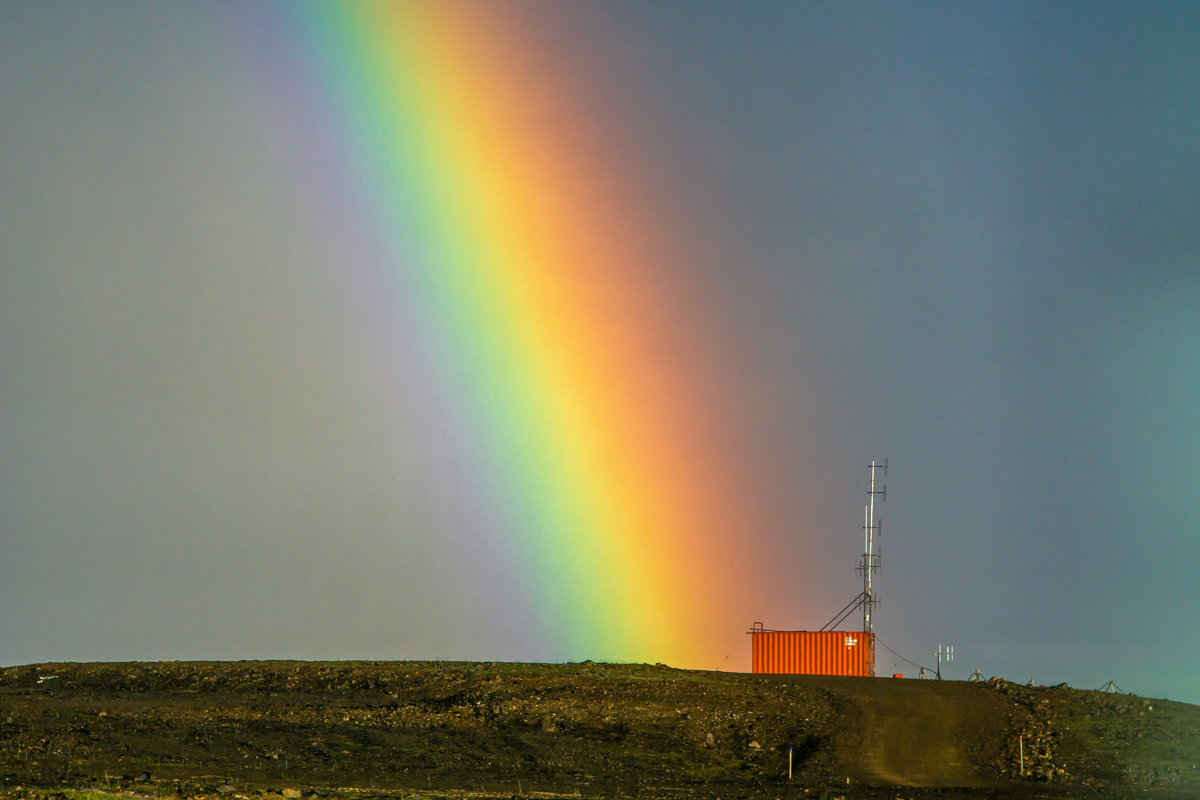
{"x":965,"y":236}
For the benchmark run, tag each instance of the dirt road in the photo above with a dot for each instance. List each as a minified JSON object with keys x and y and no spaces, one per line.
{"x":919,"y":733}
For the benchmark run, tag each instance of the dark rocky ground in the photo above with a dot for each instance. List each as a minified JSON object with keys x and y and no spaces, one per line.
{"x":467,"y":730}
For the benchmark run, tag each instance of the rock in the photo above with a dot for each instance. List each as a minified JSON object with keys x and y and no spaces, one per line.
{"x":226,"y":788}
{"x":143,"y":778}
{"x":755,"y":746}
{"x":710,"y":741}
{"x":291,"y":794}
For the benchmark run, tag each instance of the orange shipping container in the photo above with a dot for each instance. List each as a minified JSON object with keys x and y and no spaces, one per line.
{"x":813,"y":652}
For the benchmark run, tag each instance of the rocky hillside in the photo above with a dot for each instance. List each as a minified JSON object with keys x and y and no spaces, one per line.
{"x":512,"y":730}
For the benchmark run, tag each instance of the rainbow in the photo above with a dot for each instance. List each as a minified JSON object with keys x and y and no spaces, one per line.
{"x":506,"y":238}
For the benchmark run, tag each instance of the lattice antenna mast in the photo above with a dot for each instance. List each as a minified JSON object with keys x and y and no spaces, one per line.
{"x":872,"y":528}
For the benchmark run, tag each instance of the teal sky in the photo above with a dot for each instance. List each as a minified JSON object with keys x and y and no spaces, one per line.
{"x":965,"y":236}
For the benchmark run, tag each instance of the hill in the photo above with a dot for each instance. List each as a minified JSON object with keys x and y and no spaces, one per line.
{"x":434,"y":729}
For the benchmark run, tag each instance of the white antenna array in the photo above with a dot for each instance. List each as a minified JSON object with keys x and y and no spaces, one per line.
{"x":944,"y":653}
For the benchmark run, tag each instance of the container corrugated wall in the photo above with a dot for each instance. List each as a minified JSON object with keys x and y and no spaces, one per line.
{"x":813,"y":652}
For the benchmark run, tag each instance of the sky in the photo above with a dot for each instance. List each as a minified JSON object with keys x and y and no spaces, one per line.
{"x":541,"y":331}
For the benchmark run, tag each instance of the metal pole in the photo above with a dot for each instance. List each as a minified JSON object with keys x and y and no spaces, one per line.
{"x":789,"y":763}
{"x":870,"y":527}
{"x":1020,"y":744}
{"x":867,"y":567}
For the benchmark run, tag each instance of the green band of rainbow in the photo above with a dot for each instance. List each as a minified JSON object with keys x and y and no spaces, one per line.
{"x":516,"y":252}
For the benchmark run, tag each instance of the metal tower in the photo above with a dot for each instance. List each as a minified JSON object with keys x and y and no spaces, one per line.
{"x":872,"y":528}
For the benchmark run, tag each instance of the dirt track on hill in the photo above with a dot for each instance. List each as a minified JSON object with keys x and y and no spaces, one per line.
{"x":920,"y":733}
